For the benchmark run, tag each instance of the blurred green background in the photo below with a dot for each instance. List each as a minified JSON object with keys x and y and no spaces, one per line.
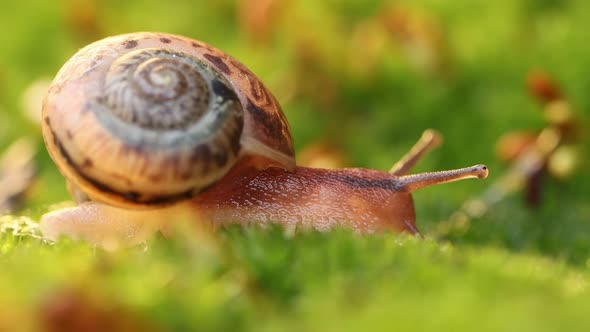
{"x":360,"y":81}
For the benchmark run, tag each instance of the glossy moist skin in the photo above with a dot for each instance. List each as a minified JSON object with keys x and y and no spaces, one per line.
{"x":364,"y":200}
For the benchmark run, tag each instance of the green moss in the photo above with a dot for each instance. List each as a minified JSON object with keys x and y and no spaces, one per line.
{"x":254,"y":279}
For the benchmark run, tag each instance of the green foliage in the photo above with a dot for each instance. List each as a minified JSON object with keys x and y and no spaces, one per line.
{"x":345,"y":79}
{"x":253,"y":279}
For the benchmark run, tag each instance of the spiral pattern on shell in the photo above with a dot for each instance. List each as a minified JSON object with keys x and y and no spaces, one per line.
{"x":164,"y":124}
{"x":156,"y":89}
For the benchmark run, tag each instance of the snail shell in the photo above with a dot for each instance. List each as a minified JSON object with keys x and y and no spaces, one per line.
{"x":148,"y":119}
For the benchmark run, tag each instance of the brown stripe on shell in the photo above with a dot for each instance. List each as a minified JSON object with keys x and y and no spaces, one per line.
{"x":201,"y":152}
{"x":218,"y":63}
{"x":263,"y":106}
{"x":129,"y":44}
{"x":215,"y":154}
{"x":171,"y":165}
{"x":87,"y":163}
{"x":273,"y":127}
{"x":220,"y":157}
{"x":259,"y":92}
{"x":121,"y":178}
{"x":239,"y":66}
{"x":130,"y":196}
{"x":156,"y":178}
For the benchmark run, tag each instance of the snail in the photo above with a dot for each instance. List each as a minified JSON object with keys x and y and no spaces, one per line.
{"x":145,"y":125}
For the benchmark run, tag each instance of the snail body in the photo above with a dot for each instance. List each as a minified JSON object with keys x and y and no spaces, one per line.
{"x":145,"y":123}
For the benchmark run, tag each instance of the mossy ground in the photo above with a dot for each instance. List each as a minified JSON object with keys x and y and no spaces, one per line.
{"x":346,"y":79}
